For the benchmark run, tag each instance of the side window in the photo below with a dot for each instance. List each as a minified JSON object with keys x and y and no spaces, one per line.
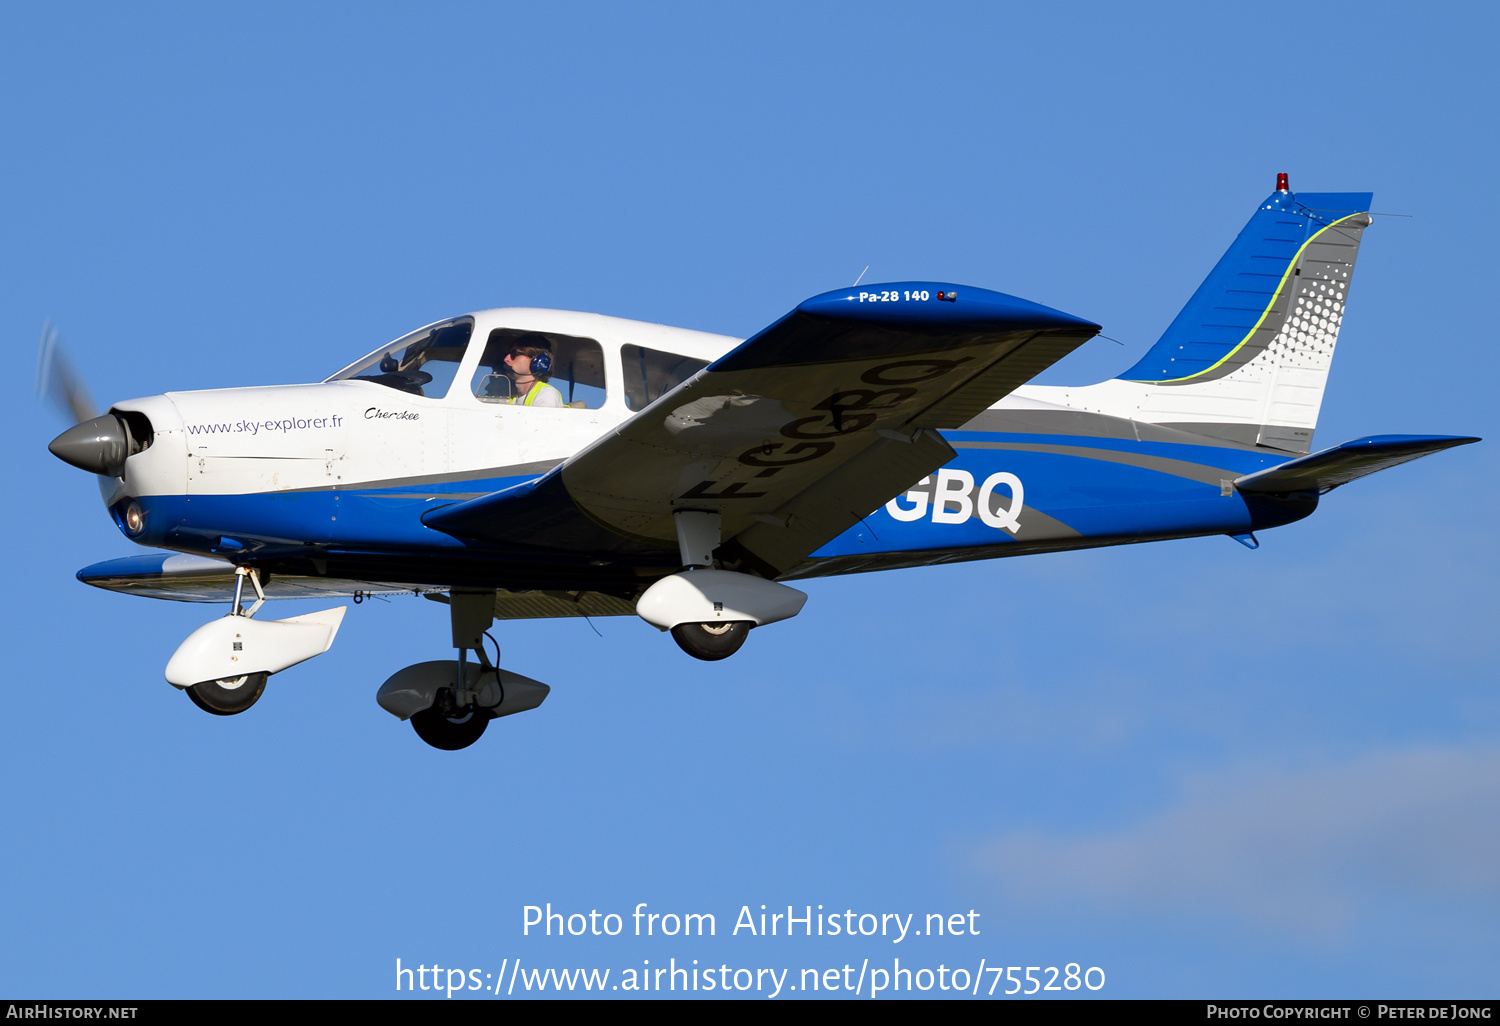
{"x":652,"y":373}
{"x":423,"y":363}
{"x":577,"y":368}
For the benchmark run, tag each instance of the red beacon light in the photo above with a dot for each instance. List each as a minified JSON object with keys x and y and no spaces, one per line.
{"x":1281,"y":182}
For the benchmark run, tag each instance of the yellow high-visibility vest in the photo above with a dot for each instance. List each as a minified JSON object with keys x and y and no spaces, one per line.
{"x":536,"y":390}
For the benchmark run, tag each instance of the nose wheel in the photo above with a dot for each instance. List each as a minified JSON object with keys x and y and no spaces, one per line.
{"x":229,"y":696}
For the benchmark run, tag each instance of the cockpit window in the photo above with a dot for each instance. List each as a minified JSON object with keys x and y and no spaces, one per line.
{"x":651,"y":373}
{"x":423,"y":363}
{"x":577,"y":368}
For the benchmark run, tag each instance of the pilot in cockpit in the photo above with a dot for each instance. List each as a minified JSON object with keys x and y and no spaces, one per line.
{"x":529,"y":365}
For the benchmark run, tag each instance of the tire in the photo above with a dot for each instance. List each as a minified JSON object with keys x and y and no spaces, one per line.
{"x":450,"y":733}
{"x":230,"y":696}
{"x":711,"y":641}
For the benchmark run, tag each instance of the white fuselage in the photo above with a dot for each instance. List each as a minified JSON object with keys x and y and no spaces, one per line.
{"x":343,"y":434}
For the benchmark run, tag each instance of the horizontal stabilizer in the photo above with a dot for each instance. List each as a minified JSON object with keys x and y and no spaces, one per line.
{"x":1330,"y":468}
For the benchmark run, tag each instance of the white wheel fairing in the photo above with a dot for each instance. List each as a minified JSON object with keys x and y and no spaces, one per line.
{"x":717,"y":596}
{"x":233,"y":646}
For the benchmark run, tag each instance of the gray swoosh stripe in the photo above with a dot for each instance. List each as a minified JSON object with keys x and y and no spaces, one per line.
{"x":1161,"y":464}
{"x":1038,"y":526}
{"x":1082,"y":423}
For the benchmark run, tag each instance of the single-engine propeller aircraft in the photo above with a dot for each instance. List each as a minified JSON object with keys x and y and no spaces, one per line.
{"x":685,"y":477}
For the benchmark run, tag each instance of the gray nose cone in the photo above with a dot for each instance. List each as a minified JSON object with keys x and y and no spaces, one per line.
{"x":98,"y":446}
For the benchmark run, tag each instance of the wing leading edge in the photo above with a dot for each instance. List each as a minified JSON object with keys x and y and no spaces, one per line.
{"x":794,"y":435}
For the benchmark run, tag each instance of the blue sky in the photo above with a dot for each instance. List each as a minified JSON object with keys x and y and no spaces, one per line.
{"x":1206,"y":770}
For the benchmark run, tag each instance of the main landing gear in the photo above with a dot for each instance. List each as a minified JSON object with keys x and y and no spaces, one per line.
{"x":710,"y":612}
{"x":711,"y":641}
{"x":223,"y":666}
{"x":229,"y":696}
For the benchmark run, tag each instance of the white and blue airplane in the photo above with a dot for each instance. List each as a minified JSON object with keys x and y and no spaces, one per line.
{"x":684,"y":477}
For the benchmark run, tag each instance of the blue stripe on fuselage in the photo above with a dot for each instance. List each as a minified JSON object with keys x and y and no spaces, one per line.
{"x":1067,"y":494}
{"x":1076,"y":494}
{"x":378,"y":519}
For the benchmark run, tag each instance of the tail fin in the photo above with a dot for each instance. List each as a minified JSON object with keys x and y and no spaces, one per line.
{"x":1247,"y":358}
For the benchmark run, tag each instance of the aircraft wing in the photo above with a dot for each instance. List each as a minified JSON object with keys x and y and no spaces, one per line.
{"x":793,"y":436}
{"x":1326,"y":470}
{"x":184,"y":578}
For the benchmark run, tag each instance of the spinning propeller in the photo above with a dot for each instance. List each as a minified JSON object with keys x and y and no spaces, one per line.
{"x":98,"y":443}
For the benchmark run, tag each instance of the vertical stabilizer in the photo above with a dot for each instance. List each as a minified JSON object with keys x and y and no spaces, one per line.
{"x":1247,"y":359}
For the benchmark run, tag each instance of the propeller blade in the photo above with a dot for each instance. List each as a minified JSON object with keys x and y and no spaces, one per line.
{"x":59,"y":381}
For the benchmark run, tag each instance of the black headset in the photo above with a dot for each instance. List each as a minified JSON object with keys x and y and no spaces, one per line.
{"x":541,"y":363}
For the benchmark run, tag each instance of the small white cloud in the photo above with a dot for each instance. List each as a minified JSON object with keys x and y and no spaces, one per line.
{"x":1306,"y":852}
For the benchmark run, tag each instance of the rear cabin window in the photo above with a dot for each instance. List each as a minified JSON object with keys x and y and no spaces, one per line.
{"x":652,"y":373}
{"x":577,"y":367}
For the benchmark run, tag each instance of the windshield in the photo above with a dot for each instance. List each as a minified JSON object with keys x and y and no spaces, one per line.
{"x":423,"y":363}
